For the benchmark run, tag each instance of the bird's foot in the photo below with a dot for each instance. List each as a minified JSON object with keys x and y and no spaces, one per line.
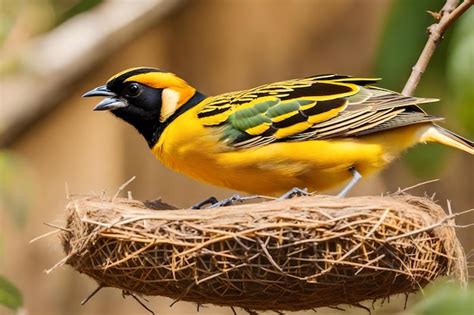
{"x":209,"y":201}
{"x":232,"y":200}
{"x":228,"y":201}
{"x":356,"y":177}
{"x":294,"y":192}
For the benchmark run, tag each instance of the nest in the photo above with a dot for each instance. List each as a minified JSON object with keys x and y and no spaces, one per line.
{"x":290,"y":255}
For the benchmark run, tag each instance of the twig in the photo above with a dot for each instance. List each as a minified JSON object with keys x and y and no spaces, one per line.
{"x":125,"y":293}
{"x":417,"y":185}
{"x":57,"y":265}
{"x":464,"y":226}
{"x":448,"y":15}
{"x":450,"y":210}
{"x":62,"y":228}
{"x":174,"y":302}
{"x":362,"y":307}
{"x":267,"y":254}
{"x":67,"y":190}
{"x":121,"y":188}
{"x":90,"y":296}
{"x":44,"y":235}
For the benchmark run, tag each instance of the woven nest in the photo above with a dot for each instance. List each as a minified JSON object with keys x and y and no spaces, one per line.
{"x":291,"y":255}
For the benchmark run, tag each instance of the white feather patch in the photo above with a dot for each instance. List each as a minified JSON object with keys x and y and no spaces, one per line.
{"x":169,"y":103}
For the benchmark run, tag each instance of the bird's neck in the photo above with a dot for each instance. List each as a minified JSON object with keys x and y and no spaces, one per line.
{"x":153,"y":131}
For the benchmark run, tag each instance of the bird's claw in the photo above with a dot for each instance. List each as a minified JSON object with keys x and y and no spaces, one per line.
{"x":228,"y":202}
{"x":214,"y":203}
{"x":211,"y":200}
{"x":294,"y":192}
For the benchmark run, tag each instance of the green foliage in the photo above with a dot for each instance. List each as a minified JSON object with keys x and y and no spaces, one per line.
{"x":444,"y":298}
{"x":16,"y":189}
{"x":32,"y":17}
{"x":10,"y":296}
{"x":425,"y":161}
{"x":402,"y":41}
{"x":77,"y":8}
{"x":9,"y":9}
{"x":461,"y":71}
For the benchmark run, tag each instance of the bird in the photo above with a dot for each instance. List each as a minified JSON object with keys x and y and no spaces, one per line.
{"x":276,"y":139}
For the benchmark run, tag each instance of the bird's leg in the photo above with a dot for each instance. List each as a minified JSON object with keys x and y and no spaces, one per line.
{"x":354,"y":180}
{"x":295,"y":191}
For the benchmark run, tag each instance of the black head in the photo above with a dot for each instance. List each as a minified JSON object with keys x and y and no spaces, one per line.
{"x":147,"y":98}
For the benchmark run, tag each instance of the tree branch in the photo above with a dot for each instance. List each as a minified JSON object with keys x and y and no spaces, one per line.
{"x":448,"y":15}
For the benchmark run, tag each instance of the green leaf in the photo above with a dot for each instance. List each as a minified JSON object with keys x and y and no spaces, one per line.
{"x":77,"y":8}
{"x":460,"y":71}
{"x":445,"y":298}
{"x":10,"y":296}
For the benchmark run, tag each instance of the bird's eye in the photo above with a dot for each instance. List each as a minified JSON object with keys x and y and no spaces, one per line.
{"x":132,"y":90}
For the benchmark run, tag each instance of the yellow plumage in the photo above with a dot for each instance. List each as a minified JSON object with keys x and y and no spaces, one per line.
{"x":304,"y":133}
{"x":275,"y":168}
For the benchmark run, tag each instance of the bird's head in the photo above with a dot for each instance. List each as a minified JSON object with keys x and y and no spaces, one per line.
{"x":147,"y":98}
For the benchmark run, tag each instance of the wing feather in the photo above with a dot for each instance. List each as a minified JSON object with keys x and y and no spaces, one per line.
{"x":317,"y":107}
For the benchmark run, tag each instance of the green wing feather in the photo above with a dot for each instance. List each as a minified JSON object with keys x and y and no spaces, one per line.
{"x":318,"y":107}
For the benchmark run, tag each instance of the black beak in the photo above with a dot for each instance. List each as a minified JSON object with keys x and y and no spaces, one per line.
{"x":111,"y":102}
{"x":99,"y":91}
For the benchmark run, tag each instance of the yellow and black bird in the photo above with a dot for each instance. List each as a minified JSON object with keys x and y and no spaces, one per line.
{"x":314,"y":133}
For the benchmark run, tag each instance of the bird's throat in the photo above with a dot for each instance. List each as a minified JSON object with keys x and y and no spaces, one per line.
{"x":150,"y":127}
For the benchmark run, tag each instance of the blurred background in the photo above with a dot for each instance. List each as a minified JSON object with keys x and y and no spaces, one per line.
{"x":52,"y":51}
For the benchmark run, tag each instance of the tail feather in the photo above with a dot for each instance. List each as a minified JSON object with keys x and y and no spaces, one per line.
{"x":438,"y":134}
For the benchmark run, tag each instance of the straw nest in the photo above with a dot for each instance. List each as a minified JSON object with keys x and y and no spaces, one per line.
{"x":292,"y":255}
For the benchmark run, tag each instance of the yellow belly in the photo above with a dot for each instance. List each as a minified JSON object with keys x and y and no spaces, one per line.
{"x":274,"y":169}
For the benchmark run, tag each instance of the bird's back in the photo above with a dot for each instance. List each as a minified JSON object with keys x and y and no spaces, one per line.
{"x":313,"y":108}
